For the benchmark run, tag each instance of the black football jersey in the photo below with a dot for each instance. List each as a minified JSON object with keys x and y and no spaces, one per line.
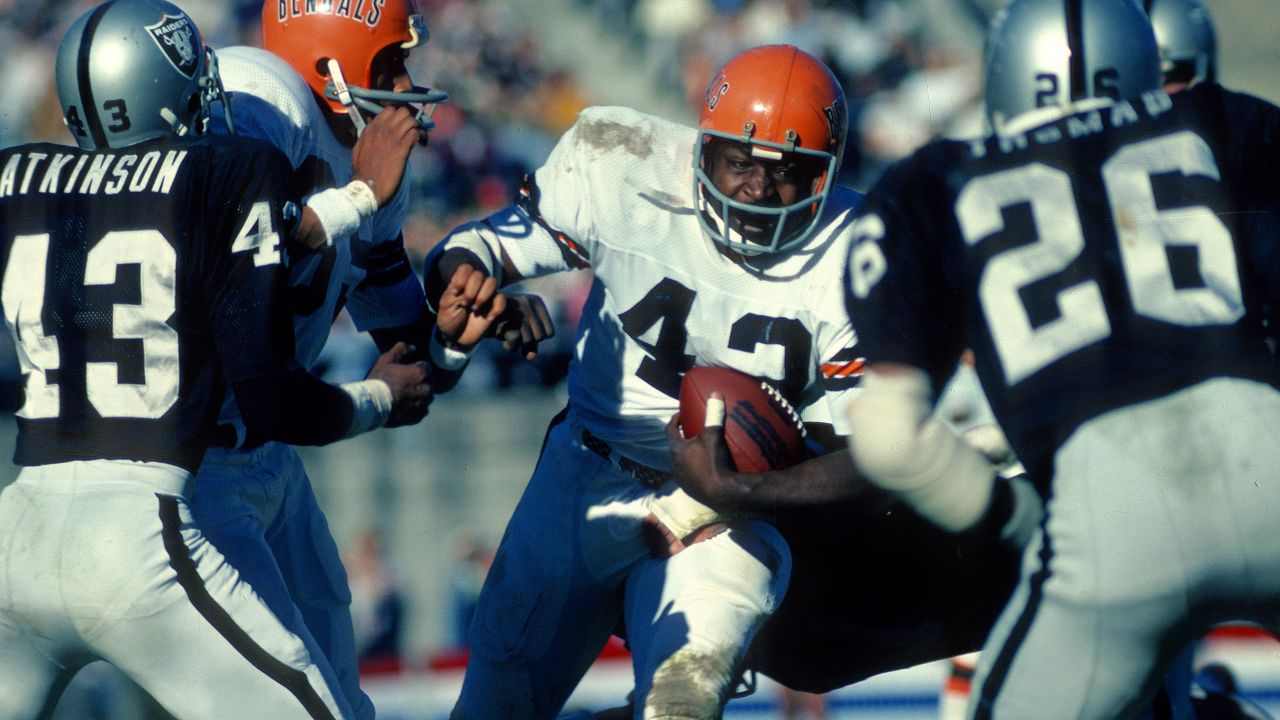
{"x":1104,"y":259}
{"x":136,"y":283}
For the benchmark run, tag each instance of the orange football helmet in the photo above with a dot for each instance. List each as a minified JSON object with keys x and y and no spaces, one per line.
{"x":779,"y":100}
{"x":332,"y":45}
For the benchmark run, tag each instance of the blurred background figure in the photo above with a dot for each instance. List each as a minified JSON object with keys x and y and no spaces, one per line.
{"x":377,"y":606}
{"x":472,"y":559}
{"x":797,"y":705}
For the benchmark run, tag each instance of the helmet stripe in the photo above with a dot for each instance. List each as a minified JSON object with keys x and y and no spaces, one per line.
{"x":88,"y":107}
{"x":1075,"y":46}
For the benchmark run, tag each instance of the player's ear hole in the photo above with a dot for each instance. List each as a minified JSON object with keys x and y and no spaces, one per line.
{"x":322,"y":66}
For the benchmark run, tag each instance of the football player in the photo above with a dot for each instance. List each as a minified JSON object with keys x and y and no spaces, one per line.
{"x":719,"y":245}
{"x":137,"y":271}
{"x":1187,"y":41}
{"x":1104,"y":233}
{"x":331,"y":91}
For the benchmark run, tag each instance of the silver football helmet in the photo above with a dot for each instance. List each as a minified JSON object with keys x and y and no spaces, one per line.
{"x":1187,"y":40}
{"x":134,"y":70}
{"x":1042,"y":53}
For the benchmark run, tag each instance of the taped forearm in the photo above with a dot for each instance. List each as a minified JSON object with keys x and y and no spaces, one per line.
{"x":371,"y":403}
{"x":340,"y":210}
{"x":899,"y":445}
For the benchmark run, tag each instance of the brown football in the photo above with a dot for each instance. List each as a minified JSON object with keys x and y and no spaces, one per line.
{"x":761,"y":428}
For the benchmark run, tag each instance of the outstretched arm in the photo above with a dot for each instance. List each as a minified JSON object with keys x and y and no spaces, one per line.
{"x":300,"y":409}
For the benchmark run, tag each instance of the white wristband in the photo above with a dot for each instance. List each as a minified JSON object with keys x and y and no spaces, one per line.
{"x":371,"y":404}
{"x":682,"y":514}
{"x":448,"y":358}
{"x":342,"y":209}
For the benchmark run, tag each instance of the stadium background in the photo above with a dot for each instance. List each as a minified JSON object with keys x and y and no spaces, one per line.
{"x":417,"y":508}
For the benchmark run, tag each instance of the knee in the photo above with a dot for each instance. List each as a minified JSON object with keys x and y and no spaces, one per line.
{"x":692,"y":684}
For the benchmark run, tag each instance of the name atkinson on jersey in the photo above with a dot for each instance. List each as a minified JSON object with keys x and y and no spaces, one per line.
{"x":368,"y":12}
{"x":90,"y":174}
{"x":1118,"y":114}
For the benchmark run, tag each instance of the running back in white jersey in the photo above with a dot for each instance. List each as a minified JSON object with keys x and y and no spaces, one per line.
{"x":615,"y":196}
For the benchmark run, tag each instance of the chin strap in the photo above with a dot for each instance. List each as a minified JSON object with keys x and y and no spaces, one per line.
{"x":344,"y":96}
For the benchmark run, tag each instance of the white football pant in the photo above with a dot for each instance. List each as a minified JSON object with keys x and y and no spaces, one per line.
{"x":100,"y":560}
{"x":574,"y":561}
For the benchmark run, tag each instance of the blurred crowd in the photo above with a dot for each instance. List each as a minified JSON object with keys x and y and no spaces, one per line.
{"x":909,"y":68}
{"x":904,"y":80}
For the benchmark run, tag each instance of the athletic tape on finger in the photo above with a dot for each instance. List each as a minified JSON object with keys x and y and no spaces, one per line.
{"x":715,"y":413}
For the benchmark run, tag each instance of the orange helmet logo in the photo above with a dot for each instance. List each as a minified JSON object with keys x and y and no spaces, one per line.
{"x":715,"y":91}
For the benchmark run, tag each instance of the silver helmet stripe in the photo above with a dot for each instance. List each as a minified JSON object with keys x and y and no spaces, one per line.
{"x":88,"y":106}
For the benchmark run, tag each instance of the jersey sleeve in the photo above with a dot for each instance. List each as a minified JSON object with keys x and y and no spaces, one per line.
{"x":245,"y":278}
{"x":385,"y":291}
{"x":840,"y":367}
{"x":896,"y":292}
{"x":389,"y":294}
{"x":548,"y":229}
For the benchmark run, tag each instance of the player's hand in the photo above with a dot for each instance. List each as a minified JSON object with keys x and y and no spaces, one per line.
{"x":524,"y":325}
{"x":410,"y":389}
{"x":469,"y":307}
{"x":701,"y":464}
{"x":380,"y":155}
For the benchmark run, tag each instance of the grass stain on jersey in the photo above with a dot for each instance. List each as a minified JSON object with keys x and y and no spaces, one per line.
{"x":606,"y":135}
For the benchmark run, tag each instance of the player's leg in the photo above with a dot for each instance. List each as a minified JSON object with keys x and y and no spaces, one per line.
{"x":691,"y":618}
{"x":33,"y":630}
{"x":553,"y":594}
{"x":1144,"y":530}
{"x":311,"y":563}
{"x":199,"y":638}
{"x":258,"y":509}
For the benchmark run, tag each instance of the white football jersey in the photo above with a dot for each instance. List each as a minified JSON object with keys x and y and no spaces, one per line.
{"x":616,"y":195}
{"x":271,"y":102}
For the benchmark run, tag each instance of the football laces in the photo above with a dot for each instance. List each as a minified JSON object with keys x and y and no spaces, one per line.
{"x":786,"y":406}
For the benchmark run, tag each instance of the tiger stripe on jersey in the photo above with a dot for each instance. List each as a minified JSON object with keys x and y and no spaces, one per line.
{"x":528,"y":200}
{"x":843,"y":370}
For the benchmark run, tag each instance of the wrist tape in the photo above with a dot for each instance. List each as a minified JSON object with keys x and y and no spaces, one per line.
{"x":342,"y":209}
{"x":371,"y":405}
{"x":446,"y":357}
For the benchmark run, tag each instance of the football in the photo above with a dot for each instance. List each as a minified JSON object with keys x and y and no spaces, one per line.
{"x":761,"y":428}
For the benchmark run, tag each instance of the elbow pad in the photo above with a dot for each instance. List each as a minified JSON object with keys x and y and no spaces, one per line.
{"x":900,"y":446}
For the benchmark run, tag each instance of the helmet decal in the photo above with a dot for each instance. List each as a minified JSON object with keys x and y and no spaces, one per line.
{"x":176,"y":36}
{"x":312,"y":35}
{"x":368,"y":12}
{"x":715,"y":91}
{"x":837,"y":119}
